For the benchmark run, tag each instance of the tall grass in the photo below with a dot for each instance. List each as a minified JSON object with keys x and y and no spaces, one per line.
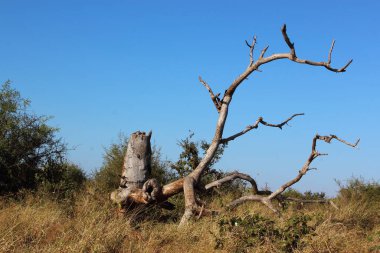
{"x":90,"y":223}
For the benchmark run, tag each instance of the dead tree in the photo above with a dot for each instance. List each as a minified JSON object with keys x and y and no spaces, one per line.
{"x":152,"y":192}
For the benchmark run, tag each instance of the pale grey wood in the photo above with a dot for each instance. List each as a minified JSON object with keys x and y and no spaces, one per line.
{"x":137,"y":161}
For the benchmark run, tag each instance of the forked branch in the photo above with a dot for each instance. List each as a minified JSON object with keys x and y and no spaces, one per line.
{"x":251,"y":49}
{"x":291,"y":56}
{"x":326,"y":64}
{"x":260,"y":120}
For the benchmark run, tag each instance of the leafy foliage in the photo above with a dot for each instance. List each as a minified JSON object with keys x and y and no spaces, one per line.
{"x":189,"y":157}
{"x":29,"y":148}
{"x":308,"y":195}
{"x":107,"y":178}
{"x":63,"y":181}
{"x":357,"y":188}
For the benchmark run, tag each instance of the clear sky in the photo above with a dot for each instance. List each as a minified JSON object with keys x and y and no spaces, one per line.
{"x":106,"y":67}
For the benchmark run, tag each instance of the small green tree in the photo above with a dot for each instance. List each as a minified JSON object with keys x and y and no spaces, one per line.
{"x":28,"y":146}
{"x":108,"y":176}
{"x":61,"y":181}
{"x":189,"y":157}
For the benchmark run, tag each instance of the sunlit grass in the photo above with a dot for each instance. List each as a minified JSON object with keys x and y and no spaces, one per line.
{"x":92,"y":224}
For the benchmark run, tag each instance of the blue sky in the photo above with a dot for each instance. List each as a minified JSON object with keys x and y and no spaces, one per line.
{"x":106,"y":67}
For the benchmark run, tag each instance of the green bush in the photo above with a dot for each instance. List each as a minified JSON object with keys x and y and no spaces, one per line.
{"x":28,"y":146}
{"x":308,"y":195}
{"x":189,"y":158}
{"x":362,"y":200}
{"x":358,"y":189}
{"x":107,"y":178}
{"x":61,"y":182}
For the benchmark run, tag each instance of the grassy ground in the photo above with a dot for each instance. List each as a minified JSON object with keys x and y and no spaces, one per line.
{"x":91,"y":224}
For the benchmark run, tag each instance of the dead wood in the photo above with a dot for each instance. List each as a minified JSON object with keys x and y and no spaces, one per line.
{"x":135,"y":186}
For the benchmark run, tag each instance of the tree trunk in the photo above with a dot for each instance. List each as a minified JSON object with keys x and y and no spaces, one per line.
{"x":137,"y":161}
{"x":136,"y":187}
{"x":134,"y":184}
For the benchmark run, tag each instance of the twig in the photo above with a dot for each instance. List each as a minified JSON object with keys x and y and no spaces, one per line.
{"x":251,"y":48}
{"x":215,"y":98}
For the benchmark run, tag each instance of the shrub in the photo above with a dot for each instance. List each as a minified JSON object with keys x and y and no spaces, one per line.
{"x":27,"y":144}
{"x":308,"y":195}
{"x":63,"y":181}
{"x":362,"y":202}
{"x":107,"y":178}
{"x":358,"y":188}
{"x":242,"y":233}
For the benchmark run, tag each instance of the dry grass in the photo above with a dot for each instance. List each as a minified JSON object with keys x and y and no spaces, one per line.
{"x":38,"y":224}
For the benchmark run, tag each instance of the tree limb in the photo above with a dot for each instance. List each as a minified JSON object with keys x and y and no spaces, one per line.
{"x":327,"y":65}
{"x":306,"y":167}
{"x":291,"y":56}
{"x":260,"y":120}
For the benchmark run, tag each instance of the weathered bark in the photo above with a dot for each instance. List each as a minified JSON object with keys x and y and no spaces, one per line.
{"x":135,"y":185}
{"x":137,"y":161}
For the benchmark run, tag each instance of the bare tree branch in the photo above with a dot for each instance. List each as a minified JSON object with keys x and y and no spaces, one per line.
{"x":327,"y":65}
{"x":260,"y":120}
{"x":230,"y":177}
{"x":291,"y":56}
{"x":263,"y":52}
{"x":266,"y":200}
{"x":330,"y":52}
{"x":306,"y":167}
{"x":215,"y":98}
{"x":290,"y":44}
